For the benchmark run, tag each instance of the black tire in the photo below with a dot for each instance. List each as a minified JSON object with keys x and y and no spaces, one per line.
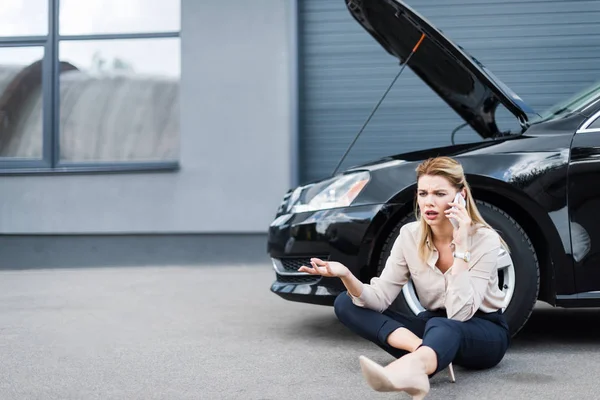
{"x":522,"y":252}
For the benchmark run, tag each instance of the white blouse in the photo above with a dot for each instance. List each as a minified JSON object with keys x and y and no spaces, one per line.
{"x":461,"y":295}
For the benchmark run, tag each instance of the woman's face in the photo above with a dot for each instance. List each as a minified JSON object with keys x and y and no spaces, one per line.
{"x":433,"y":195}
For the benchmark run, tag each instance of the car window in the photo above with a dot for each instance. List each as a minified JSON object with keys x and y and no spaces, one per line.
{"x":577,"y":102}
{"x":595,"y":124}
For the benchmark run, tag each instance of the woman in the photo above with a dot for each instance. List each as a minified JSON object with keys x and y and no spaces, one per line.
{"x":454,"y":272}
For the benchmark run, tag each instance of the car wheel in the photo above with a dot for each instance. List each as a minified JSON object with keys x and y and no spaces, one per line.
{"x":518,"y":272}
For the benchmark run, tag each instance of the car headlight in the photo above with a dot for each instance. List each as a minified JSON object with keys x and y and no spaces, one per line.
{"x":340,"y":192}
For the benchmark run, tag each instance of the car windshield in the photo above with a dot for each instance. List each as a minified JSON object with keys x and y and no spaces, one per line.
{"x":575,"y":103}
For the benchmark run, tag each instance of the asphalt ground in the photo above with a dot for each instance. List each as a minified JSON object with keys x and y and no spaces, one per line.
{"x":218,"y":333}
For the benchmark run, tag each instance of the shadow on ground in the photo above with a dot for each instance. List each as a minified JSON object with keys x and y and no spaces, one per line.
{"x":545,"y":326}
{"x":560,"y":326}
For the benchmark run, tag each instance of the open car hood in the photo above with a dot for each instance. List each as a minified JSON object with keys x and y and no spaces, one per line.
{"x":457,"y":77}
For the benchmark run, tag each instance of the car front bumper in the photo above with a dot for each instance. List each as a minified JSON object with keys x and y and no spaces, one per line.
{"x":345,"y":234}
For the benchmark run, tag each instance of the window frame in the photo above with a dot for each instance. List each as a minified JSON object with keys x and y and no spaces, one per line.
{"x":591,"y":128}
{"x":51,"y":163}
{"x":592,"y":119}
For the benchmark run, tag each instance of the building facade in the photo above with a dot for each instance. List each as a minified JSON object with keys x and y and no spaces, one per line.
{"x":166,"y":132}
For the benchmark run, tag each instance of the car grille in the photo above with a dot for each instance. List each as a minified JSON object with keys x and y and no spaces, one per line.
{"x":302,"y":279}
{"x":286,"y":270}
{"x":292,"y":264}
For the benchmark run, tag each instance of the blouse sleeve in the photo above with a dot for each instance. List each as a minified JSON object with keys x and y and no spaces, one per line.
{"x":383,"y":290}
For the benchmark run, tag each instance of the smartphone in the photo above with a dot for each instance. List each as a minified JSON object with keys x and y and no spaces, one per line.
{"x":460,"y":200}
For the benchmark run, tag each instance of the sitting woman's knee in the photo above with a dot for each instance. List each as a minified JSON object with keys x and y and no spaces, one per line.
{"x":342,"y":305}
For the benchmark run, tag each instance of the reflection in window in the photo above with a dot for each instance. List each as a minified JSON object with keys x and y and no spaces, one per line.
{"x":21,"y":102}
{"x":119,"y":100}
{"x":595,"y":124}
{"x":78,"y":17}
{"x":578,"y":101}
{"x":24,"y":17}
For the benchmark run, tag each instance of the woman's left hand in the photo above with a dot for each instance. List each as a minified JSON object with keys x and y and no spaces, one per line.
{"x":460,"y":214}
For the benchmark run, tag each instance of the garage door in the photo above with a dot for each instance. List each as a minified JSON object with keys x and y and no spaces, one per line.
{"x":544,"y":50}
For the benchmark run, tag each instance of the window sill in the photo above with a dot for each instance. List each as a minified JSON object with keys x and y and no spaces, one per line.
{"x":89,"y":168}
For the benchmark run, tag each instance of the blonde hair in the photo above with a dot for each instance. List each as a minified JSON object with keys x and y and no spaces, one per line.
{"x":453,"y":171}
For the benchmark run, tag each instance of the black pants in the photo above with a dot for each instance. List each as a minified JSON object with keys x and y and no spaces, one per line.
{"x":478,"y":343}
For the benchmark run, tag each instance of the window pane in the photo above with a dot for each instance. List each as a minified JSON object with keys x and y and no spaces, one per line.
{"x":23,"y":17}
{"x":595,"y":124}
{"x":119,"y":100}
{"x":21,"y":102}
{"x":78,"y":17}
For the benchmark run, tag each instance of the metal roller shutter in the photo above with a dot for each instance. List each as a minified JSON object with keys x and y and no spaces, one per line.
{"x":544,"y":50}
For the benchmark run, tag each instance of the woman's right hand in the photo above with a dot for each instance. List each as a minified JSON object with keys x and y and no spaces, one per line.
{"x":325,"y":268}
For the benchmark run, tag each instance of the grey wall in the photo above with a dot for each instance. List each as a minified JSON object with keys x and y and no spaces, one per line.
{"x":235,"y":141}
{"x":91,"y":251}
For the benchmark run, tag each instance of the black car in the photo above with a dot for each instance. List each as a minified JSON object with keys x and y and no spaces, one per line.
{"x":537,"y":185}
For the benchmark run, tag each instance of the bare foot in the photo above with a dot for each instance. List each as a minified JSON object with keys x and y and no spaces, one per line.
{"x":407,"y":374}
